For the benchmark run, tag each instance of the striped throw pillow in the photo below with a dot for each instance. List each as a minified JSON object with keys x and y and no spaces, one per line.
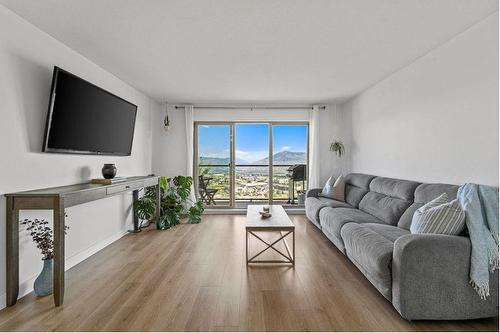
{"x":439,"y":216}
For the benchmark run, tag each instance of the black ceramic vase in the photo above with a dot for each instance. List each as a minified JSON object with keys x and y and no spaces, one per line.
{"x":109,"y":171}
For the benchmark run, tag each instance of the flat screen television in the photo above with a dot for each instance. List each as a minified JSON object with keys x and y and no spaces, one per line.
{"x":86,"y":119}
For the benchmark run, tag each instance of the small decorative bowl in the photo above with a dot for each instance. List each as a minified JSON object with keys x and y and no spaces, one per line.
{"x":265,"y":215}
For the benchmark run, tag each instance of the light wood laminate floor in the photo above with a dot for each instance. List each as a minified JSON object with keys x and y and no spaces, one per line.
{"x":194,"y":277}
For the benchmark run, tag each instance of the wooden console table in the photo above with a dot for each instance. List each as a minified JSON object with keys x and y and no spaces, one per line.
{"x":57,"y":199}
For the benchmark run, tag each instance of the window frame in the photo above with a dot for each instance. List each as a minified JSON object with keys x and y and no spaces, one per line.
{"x":232,"y":156}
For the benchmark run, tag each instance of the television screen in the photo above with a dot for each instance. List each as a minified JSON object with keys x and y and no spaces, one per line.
{"x":85,"y":119}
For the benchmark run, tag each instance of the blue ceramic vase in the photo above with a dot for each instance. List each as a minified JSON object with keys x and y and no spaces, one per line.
{"x":43,"y":283}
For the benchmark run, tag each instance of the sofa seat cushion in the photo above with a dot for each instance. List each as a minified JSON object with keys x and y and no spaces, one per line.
{"x":388,"y":231}
{"x":369,"y":246}
{"x":333,"y":219}
{"x":315,"y":204}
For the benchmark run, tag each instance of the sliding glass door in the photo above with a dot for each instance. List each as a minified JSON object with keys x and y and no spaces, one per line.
{"x":289,"y":151}
{"x":213,"y":168}
{"x":237,"y":164}
{"x":251,"y":163}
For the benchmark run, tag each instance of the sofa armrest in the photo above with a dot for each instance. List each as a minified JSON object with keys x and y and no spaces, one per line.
{"x":314,"y":192}
{"x":430,"y":279}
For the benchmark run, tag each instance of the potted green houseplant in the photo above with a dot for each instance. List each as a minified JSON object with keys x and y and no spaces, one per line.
{"x":338,"y":148}
{"x":174,"y":202}
{"x":42,"y":235}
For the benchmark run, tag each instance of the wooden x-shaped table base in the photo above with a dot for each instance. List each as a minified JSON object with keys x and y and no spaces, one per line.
{"x":289,"y":257}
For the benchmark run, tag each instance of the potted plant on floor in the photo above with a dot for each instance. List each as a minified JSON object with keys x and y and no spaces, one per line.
{"x":42,"y":235}
{"x":174,"y":203}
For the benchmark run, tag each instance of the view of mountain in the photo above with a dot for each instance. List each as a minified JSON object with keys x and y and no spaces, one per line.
{"x":214,"y":160}
{"x":282,"y":157}
{"x":285,"y":157}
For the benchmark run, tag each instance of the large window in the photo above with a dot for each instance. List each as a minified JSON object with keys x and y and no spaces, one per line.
{"x":289,"y":149}
{"x":242,"y":163}
{"x":251,"y":162}
{"x":214,"y":161}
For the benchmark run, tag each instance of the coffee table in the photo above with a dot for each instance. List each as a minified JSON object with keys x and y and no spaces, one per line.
{"x":279,"y":223}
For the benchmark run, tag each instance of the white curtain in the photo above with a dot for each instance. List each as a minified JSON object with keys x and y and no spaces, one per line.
{"x":314,"y":147}
{"x":189,"y":114}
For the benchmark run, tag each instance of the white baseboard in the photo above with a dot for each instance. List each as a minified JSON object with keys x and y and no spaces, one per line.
{"x":26,"y":286}
{"x":81,"y":256}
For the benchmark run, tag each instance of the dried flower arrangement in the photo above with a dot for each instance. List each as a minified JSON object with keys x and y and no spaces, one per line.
{"x":41,"y":234}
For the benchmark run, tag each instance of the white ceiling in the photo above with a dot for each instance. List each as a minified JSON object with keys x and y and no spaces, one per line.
{"x":252,"y":51}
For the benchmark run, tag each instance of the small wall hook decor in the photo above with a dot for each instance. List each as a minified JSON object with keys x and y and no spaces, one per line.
{"x":166,"y":123}
{"x":166,"y":120}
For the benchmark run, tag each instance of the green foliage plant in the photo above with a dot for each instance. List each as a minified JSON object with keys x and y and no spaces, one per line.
{"x":174,"y":202}
{"x":338,"y":148}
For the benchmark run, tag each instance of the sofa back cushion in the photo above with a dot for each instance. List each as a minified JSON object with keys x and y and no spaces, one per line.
{"x":388,"y":198}
{"x":356,"y":186}
{"x":424,"y":194}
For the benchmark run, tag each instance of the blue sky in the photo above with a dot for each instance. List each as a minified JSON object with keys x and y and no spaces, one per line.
{"x":213,"y":140}
{"x":251,"y":140}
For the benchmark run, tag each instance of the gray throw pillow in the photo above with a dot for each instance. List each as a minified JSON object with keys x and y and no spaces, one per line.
{"x":439,"y":216}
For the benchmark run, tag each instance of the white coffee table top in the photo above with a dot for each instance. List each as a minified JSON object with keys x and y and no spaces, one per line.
{"x":278,"y":220}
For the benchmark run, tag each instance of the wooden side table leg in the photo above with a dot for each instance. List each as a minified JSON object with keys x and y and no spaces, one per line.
{"x":135,"y":198}
{"x":59,"y":258}
{"x":293,"y":251}
{"x":246,"y":243}
{"x":12,"y":251}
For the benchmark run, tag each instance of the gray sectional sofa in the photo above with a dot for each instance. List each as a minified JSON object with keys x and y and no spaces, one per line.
{"x":425,"y":276}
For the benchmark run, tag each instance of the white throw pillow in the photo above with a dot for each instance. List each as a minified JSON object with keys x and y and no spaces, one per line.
{"x":334,"y":190}
{"x":339,"y":189}
{"x":328,"y":188}
{"x":439,"y":216}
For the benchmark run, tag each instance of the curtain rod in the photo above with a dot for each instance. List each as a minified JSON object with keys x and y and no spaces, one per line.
{"x":252,"y":107}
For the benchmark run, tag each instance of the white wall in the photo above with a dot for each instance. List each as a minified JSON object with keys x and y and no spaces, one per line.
{"x":27,"y":57}
{"x":169,"y":157}
{"x":436,"y":120}
{"x":331,"y":128}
